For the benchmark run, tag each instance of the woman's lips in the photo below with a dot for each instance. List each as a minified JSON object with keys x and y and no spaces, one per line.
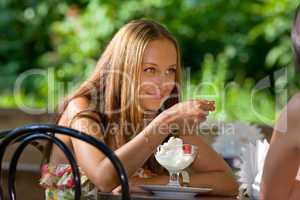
{"x":157,"y":96}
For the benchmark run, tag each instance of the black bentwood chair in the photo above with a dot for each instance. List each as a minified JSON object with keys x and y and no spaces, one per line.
{"x":28,"y":133}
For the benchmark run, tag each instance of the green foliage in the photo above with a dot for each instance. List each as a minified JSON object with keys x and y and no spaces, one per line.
{"x":234,"y":101}
{"x":225,"y":43}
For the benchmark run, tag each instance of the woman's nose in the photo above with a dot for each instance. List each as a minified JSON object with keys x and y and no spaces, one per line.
{"x":158,"y":80}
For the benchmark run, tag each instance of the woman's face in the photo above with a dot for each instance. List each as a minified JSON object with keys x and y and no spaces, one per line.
{"x":158,"y":74}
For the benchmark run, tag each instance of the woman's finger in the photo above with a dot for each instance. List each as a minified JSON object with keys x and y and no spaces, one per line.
{"x":117,"y":190}
{"x":206,"y":105}
{"x":201,"y":112}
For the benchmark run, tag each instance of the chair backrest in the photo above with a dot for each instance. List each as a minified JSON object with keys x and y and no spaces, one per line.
{"x":28,"y":133}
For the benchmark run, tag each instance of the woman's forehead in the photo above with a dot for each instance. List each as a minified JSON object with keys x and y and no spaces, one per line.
{"x":160,"y":52}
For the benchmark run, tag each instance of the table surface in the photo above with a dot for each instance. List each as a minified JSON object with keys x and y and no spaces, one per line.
{"x":140,"y":196}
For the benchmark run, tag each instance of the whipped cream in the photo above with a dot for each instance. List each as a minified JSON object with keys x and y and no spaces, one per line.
{"x":171,"y":155}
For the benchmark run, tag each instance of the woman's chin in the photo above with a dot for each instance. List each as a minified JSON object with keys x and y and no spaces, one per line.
{"x":151,"y":108}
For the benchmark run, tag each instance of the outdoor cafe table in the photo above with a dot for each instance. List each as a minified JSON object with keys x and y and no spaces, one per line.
{"x":110,"y":196}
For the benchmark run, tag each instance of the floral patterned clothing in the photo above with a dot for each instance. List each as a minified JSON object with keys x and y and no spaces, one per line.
{"x":59,"y":183}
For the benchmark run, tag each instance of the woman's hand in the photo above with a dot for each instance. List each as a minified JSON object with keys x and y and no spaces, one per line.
{"x":133,"y":188}
{"x":186,"y":114}
{"x":192,"y":109}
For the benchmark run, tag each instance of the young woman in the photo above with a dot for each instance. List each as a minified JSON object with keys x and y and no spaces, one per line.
{"x":132,"y":103}
{"x":280,"y":180}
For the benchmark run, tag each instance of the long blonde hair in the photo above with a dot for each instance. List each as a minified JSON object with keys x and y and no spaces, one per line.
{"x":113,"y":84}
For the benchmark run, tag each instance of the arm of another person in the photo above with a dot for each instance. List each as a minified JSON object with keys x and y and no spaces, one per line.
{"x":282,"y":160}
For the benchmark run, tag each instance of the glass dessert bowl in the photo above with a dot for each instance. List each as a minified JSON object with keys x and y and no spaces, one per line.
{"x":175,"y":157}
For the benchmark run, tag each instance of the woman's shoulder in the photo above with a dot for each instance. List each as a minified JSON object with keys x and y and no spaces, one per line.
{"x":292,"y":111}
{"x":289,"y":120}
{"x":294,"y":103}
{"x":80,"y":106}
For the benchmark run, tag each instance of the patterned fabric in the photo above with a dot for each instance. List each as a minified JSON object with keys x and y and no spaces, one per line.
{"x":59,"y":183}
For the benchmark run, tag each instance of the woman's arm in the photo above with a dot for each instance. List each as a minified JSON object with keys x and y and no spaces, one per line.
{"x":132,"y":155}
{"x":295,"y":194}
{"x":208,"y":170}
{"x":282,"y":160}
{"x":222,"y":183}
{"x":95,"y":164}
{"x":135,"y":152}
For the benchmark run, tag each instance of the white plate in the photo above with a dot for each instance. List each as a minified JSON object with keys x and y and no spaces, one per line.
{"x":175,"y":192}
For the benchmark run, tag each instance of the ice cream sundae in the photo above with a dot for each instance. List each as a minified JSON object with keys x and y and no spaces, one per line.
{"x":175,"y":157}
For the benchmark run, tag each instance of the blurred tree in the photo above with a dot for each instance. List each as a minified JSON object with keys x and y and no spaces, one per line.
{"x":255,"y":32}
{"x":69,"y":36}
{"x":25,"y":36}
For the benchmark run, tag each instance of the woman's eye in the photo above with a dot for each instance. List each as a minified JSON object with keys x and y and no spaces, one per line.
{"x":150,"y":70}
{"x":171,"y":71}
